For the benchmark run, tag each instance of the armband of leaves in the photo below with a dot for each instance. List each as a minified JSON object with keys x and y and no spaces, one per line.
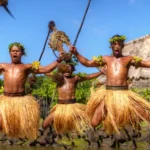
{"x":35,"y":65}
{"x":99,"y":60}
{"x":137,"y":59}
{"x":80,"y":74}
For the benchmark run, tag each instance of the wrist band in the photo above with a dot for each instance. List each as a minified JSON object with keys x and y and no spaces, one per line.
{"x":76,"y":53}
{"x":59,"y":60}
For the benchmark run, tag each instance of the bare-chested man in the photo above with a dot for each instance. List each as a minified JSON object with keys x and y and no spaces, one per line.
{"x":116,"y":105}
{"x":68,"y":115}
{"x":19,"y":113}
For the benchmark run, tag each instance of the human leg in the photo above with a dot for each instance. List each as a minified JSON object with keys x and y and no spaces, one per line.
{"x":48,"y":121}
{"x":98,"y":115}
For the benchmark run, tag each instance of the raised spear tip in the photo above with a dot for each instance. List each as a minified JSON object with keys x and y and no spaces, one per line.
{"x":6,"y":8}
{"x":3,"y":2}
{"x":51,"y":25}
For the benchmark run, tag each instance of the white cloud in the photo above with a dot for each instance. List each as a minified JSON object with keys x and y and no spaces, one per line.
{"x":131,"y":2}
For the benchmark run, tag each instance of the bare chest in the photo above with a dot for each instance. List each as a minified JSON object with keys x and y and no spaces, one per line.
{"x":117,"y":65}
{"x":15,"y":70}
{"x":69,"y":84}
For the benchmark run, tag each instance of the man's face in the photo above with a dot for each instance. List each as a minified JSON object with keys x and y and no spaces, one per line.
{"x":69,"y":71}
{"x":117,"y":47}
{"x":16,"y":54}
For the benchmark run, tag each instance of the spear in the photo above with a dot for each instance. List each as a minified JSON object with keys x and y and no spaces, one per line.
{"x":49,"y":31}
{"x":4,"y":4}
{"x":51,"y":27}
{"x":76,"y":38}
{"x":77,"y":35}
{"x":6,"y":8}
{"x":52,"y":24}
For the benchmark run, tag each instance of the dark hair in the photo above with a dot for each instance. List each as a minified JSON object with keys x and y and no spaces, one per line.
{"x":117,"y":35}
{"x":63,"y":67}
{"x":72,"y":67}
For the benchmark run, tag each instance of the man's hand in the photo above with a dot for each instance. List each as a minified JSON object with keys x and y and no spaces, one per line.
{"x":61,"y":55}
{"x":103,"y":70}
{"x":65,"y":56}
{"x":73,"y":50}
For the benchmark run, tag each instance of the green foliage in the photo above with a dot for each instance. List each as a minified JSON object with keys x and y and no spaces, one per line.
{"x":39,"y":81}
{"x":1,"y":90}
{"x":83,"y":91}
{"x":145,"y":93}
{"x":1,"y":82}
{"x":1,"y":86}
{"x":81,"y":74}
{"x":45,"y":87}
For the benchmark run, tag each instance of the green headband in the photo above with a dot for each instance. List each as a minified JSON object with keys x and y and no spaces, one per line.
{"x":117,"y":38}
{"x":18,"y":45}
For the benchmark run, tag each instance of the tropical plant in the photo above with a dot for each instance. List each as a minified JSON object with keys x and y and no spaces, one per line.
{"x":145,"y":93}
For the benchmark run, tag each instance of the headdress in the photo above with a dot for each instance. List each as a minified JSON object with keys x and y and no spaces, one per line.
{"x":117,"y":38}
{"x":18,"y":45}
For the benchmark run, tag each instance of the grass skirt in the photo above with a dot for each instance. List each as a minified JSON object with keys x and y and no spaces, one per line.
{"x":70,"y":118}
{"x":119,"y":108}
{"x":20,"y":116}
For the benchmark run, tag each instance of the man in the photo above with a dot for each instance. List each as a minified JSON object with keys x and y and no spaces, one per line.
{"x":116,"y":105}
{"x":19,"y":113}
{"x":68,"y":115}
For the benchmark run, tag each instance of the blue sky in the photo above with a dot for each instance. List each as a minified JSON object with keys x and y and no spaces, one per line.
{"x":104,"y":19}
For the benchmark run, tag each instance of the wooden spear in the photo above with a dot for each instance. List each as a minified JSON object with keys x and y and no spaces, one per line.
{"x":4,"y":4}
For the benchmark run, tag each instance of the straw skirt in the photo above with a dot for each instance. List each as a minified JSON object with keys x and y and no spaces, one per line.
{"x":20,"y":116}
{"x":119,"y":108}
{"x":70,"y":118}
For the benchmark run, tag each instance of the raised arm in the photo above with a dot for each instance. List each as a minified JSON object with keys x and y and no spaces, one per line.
{"x":84,"y":61}
{"x":48,"y":74}
{"x":2,"y":66}
{"x":138,"y":62}
{"x":49,"y":68}
{"x":145,"y":64}
{"x":89,"y":76}
{"x":44,"y":69}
